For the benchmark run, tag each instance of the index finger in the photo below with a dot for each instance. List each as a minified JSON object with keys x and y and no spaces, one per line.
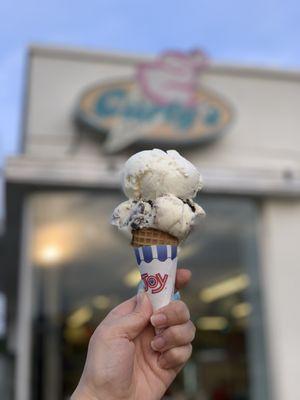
{"x":175,"y":313}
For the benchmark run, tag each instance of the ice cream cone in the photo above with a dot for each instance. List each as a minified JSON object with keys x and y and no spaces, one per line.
{"x":160,"y":212}
{"x":157,"y":263}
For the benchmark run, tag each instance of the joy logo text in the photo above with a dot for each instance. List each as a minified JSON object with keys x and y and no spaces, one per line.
{"x":156,"y":283}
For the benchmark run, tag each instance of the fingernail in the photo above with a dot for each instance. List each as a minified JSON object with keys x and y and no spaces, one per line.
{"x":140,"y":298}
{"x":158,"y":320}
{"x":158,"y":343}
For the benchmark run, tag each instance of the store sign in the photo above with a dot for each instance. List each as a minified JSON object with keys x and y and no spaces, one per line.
{"x":164,"y":104}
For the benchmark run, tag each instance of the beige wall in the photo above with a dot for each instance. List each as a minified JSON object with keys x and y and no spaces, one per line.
{"x":281,"y":276}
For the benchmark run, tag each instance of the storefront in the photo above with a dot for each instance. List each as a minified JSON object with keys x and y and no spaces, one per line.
{"x":84,"y":114}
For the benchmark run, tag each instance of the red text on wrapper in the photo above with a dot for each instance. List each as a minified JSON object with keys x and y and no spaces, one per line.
{"x":154,"y":282}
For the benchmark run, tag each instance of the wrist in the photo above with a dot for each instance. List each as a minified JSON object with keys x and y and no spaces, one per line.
{"x":83,"y":393}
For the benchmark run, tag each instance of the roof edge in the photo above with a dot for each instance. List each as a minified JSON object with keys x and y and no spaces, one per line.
{"x":90,"y":55}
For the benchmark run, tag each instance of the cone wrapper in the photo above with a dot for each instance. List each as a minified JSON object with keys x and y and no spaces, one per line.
{"x":157,"y":265}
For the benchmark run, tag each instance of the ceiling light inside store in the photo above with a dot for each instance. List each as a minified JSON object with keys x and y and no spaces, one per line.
{"x":212,"y":323}
{"x":241,"y":310}
{"x":54,"y":244}
{"x":132,"y":278}
{"x":79,"y":317}
{"x":49,"y":255}
{"x":76,"y":336}
{"x":101,"y":302}
{"x":225,"y":288}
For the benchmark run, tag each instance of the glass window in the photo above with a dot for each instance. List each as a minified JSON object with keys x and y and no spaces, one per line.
{"x":83,"y":267}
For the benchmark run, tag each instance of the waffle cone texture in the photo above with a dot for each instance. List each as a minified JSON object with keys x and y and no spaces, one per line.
{"x":150,"y":237}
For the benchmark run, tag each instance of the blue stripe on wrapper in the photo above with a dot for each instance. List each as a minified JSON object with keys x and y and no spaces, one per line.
{"x":147,"y":253}
{"x":159,"y":252}
{"x":162,"y":254}
{"x":174,"y":252}
{"x":137,"y":255}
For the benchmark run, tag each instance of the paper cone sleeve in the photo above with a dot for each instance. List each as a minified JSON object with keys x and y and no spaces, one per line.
{"x":157,"y":264}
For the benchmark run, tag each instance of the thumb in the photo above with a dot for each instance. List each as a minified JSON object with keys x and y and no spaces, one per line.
{"x":136,"y":321}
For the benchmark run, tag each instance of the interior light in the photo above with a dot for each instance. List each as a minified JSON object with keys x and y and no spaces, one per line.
{"x":212,"y":323}
{"x":50,"y":254}
{"x":132,"y":278}
{"x":79,"y":317}
{"x":224,"y":288}
{"x":76,"y":336}
{"x":101,"y":302}
{"x":241,"y":310}
{"x":54,"y":243}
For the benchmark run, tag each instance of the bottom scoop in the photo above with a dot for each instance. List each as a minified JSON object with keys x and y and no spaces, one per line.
{"x":167,"y":214}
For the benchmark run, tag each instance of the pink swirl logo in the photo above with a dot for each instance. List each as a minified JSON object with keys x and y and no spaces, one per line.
{"x":172,"y":78}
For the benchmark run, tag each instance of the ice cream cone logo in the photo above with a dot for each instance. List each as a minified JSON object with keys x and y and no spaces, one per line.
{"x":172,"y":77}
{"x":163,"y":103}
{"x":155,"y":282}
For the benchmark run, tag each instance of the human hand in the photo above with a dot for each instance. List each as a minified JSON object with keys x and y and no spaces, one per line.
{"x":126,"y":360}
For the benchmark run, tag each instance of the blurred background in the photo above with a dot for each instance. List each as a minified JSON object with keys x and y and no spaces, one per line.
{"x":83,"y":86}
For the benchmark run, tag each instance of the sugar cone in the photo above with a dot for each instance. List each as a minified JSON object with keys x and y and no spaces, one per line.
{"x":150,"y":236}
{"x":156,"y":255}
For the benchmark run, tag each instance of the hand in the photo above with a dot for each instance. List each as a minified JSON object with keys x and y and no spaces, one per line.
{"x":126,"y":360}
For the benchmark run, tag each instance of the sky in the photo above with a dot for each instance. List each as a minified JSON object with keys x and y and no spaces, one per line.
{"x":246,"y":32}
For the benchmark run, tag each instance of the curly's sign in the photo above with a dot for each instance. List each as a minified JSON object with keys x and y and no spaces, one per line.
{"x":165,"y":104}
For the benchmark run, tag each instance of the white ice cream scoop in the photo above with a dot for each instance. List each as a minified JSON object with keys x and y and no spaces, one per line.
{"x":153,"y":173}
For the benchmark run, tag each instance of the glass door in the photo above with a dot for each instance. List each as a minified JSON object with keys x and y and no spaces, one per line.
{"x":83,"y":267}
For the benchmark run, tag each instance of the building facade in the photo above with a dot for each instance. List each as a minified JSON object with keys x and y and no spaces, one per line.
{"x":69,"y":267}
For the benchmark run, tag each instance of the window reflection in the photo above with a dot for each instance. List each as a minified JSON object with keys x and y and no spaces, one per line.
{"x":83,"y":268}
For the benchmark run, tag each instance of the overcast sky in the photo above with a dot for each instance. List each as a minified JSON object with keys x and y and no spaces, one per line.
{"x":255,"y":32}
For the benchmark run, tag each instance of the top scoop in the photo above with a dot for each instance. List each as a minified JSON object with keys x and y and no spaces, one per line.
{"x":154,"y":173}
